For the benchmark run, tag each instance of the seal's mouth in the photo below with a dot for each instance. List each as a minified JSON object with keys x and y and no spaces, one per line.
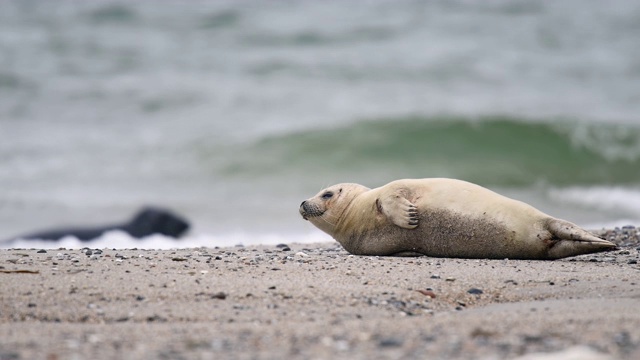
{"x":308,"y":210}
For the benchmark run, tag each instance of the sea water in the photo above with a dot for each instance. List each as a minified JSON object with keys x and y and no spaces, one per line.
{"x":230,"y":113}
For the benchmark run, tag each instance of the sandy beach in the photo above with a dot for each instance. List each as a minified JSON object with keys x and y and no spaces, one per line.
{"x":315,"y":301}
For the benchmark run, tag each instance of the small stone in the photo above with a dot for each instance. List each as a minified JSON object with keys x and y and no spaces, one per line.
{"x":219,"y":295}
{"x":631,"y":262}
{"x":435,"y":276}
{"x":280,"y":246}
{"x":286,"y":248}
{"x":475,"y":291}
{"x":42,"y":251}
{"x":390,"y":342}
{"x":88,"y":252}
{"x":427,"y":293}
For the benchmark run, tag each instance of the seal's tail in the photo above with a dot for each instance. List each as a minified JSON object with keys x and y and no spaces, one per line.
{"x":568,"y":239}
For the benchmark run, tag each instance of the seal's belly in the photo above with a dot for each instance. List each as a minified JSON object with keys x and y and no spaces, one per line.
{"x":443,"y":233}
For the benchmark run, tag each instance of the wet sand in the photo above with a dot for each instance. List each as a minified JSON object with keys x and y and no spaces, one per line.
{"x":315,"y":301}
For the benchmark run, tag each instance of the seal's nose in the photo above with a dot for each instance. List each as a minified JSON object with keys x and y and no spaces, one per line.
{"x":303,"y":211}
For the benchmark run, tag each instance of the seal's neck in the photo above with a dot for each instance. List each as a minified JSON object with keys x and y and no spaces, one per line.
{"x":357,"y":217}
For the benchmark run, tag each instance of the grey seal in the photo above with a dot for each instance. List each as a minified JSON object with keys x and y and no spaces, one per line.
{"x":443,"y":218}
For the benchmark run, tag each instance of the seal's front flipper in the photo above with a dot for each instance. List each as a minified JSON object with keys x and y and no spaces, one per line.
{"x":568,"y":239}
{"x":399,"y":211}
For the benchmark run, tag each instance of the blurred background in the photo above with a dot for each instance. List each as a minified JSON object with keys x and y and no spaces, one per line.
{"x":233,"y":112}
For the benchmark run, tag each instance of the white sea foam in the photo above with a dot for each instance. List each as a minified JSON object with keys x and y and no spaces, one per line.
{"x":122,"y":240}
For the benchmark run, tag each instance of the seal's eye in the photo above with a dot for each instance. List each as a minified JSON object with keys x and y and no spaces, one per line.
{"x":327,"y":195}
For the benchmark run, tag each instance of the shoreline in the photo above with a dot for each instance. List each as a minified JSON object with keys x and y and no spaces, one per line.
{"x":316,"y":301}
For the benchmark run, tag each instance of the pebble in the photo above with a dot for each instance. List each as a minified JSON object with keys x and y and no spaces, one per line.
{"x":427,"y":293}
{"x":219,"y":295}
{"x":283,"y":247}
{"x":475,"y":291}
{"x":390,"y":342}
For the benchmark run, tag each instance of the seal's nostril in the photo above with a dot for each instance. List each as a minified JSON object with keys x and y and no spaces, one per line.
{"x":304,"y":202}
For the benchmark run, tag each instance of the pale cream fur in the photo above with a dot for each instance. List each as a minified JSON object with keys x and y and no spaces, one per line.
{"x":443,"y":217}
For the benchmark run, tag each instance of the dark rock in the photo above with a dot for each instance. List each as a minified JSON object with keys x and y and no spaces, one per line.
{"x":219,"y":295}
{"x":390,"y":342}
{"x":148,"y":221}
{"x":156,"y":318}
{"x":8,"y":355}
{"x":475,"y":291}
{"x":42,"y":251}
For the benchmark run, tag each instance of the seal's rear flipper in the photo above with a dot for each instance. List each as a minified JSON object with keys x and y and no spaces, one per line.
{"x":568,"y":239}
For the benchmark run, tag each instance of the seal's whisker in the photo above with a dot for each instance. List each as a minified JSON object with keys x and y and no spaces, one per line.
{"x":327,"y":221}
{"x":331,"y":216}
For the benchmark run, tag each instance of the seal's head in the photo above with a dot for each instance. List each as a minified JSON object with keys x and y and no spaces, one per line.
{"x":325,"y":209}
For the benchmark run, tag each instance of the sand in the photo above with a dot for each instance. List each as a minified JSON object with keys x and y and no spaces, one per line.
{"x":314,"y":301}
